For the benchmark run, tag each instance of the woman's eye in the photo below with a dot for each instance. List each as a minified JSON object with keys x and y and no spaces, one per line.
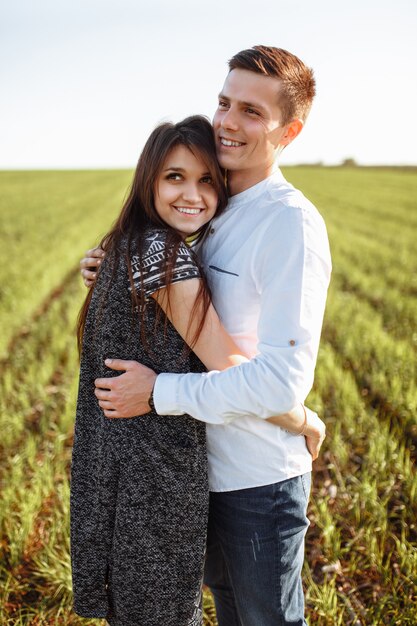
{"x":207,"y":179}
{"x":174,"y":176}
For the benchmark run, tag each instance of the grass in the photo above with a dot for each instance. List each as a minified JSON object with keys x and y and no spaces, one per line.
{"x":361,"y":565}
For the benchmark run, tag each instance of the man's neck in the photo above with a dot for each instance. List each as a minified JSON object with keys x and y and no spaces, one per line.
{"x":241,"y":180}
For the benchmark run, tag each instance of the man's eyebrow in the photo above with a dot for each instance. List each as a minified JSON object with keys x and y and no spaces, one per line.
{"x":254,"y":105}
{"x":250,"y":105}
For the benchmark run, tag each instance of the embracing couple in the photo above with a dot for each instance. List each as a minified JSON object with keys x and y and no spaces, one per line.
{"x":208,"y":301}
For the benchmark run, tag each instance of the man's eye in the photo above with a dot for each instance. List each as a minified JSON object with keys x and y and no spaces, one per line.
{"x":222,"y":104}
{"x":252,"y":111}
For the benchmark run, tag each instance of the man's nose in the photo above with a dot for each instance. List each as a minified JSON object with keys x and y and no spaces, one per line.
{"x":229,"y":120}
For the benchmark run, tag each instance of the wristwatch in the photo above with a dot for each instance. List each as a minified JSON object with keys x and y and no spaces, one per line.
{"x":150,"y":400}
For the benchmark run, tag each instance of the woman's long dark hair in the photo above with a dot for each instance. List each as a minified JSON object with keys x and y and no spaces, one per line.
{"x":138,"y":213}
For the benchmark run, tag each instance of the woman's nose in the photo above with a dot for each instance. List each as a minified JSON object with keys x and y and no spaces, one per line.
{"x":191,"y":193}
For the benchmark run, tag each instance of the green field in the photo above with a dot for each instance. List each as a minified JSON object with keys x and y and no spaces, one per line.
{"x":361,"y":547}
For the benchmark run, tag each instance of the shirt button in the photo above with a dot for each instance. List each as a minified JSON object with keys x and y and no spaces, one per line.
{"x":292,"y":342}
{"x":212,"y":231}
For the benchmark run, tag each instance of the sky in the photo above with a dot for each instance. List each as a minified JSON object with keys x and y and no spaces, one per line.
{"x":83,"y":82}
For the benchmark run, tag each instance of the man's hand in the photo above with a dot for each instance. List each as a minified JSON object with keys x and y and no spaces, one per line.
{"x":315,"y":433}
{"x":126,"y":395}
{"x":88,"y":265}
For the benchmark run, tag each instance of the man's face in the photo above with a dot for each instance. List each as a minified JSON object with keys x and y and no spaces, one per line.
{"x":247,"y":123}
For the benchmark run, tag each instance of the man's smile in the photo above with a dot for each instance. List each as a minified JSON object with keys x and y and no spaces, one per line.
{"x":230,"y":143}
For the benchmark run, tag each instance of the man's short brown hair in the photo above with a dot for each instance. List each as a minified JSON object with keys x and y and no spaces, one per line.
{"x":298,"y":86}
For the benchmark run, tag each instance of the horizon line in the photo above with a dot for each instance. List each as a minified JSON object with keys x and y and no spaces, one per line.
{"x":343,"y":164}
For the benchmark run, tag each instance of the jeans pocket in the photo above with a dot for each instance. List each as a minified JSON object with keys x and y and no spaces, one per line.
{"x":306,"y":484}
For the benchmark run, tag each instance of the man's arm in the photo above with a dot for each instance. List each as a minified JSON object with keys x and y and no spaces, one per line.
{"x":292,"y":275}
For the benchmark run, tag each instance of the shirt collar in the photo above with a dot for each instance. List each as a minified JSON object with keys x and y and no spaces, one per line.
{"x":256,"y":190}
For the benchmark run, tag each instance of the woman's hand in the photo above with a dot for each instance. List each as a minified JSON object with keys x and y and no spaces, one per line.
{"x":302,"y":421}
{"x":315,"y":433}
{"x":89,"y":265}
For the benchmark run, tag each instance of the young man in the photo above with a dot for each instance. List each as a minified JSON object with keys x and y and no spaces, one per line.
{"x":268,"y":263}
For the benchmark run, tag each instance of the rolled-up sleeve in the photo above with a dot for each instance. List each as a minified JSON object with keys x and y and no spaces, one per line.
{"x":291,"y":272}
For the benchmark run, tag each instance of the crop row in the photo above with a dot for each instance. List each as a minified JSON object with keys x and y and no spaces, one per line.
{"x":48,"y":220}
{"x":37,"y":414}
{"x":384,"y":367}
{"x":362,"y":559}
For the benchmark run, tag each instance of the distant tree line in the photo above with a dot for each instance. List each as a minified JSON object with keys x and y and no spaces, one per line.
{"x":350,"y":162}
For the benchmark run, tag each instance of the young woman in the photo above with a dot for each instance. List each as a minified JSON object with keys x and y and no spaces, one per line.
{"x":139,"y":492}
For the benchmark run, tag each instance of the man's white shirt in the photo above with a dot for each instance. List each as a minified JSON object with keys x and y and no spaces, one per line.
{"x":268,"y":264}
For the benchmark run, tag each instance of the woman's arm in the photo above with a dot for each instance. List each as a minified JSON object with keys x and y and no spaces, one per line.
{"x":214,"y":346}
{"x":217,"y":350}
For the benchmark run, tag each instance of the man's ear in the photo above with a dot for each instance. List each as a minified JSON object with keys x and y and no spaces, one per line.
{"x":292,"y":130}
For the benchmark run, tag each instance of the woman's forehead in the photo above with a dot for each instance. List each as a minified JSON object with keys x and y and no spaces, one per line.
{"x":185,"y":157}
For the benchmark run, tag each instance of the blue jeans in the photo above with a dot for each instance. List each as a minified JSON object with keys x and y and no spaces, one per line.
{"x":255,"y":552}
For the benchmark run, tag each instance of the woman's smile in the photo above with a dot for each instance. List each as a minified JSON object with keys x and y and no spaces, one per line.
{"x":188,"y":210}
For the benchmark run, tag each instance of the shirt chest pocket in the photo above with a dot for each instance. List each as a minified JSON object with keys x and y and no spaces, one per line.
{"x":223,"y":281}
{"x":214,"y":269}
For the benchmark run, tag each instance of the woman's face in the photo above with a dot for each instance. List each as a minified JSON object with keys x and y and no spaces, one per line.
{"x":185,"y":198}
